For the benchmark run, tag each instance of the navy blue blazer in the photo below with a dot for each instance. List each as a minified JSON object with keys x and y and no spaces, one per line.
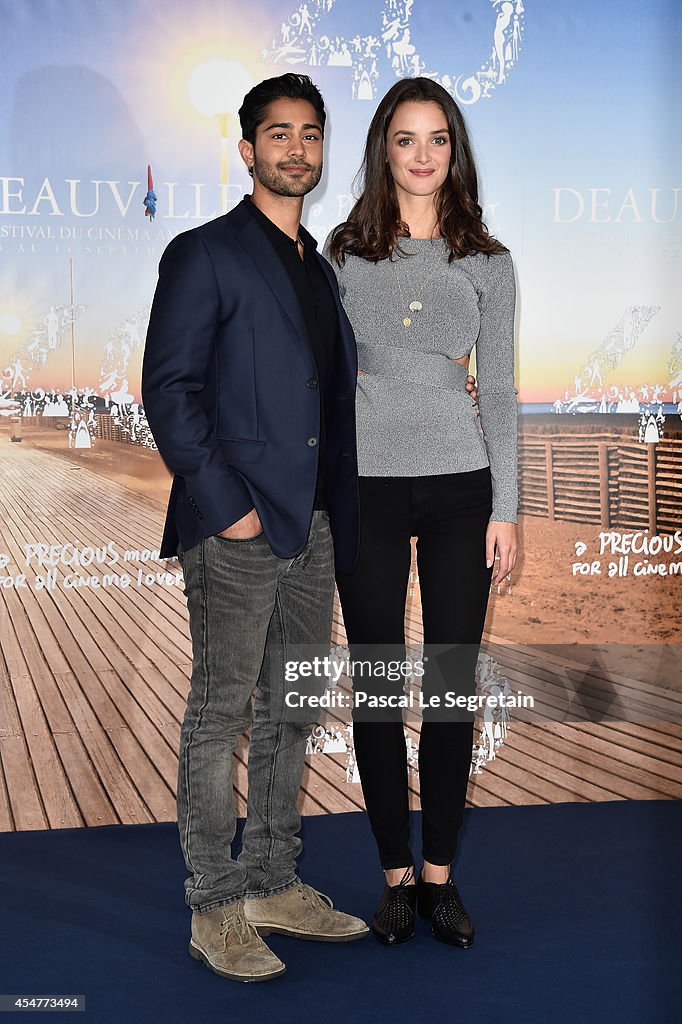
{"x":229,"y":387}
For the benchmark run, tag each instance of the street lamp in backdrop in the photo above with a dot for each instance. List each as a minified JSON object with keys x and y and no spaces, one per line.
{"x":216,"y":88}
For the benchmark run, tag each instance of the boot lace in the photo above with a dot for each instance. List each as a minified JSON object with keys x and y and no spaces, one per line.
{"x":236,"y":920}
{"x":449,"y":911}
{"x":318,"y":900}
{"x":398,"y":913}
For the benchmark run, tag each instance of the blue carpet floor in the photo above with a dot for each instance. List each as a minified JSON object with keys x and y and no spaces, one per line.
{"x":577,"y":909}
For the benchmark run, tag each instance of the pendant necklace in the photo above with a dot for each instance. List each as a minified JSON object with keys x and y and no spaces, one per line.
{"x":415,"y":305}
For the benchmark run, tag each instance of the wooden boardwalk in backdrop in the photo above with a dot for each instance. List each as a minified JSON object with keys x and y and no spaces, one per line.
{"x":93,"y":682}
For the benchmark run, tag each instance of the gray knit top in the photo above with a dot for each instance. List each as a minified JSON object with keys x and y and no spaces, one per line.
{"x":414,"y":415}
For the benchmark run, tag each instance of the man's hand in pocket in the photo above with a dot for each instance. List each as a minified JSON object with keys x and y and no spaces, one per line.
{"x":245,"y":528}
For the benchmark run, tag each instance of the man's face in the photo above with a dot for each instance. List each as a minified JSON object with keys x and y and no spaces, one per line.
{"x":287,"y":156}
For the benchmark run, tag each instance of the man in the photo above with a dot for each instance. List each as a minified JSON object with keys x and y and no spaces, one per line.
{"x":248,"y":385}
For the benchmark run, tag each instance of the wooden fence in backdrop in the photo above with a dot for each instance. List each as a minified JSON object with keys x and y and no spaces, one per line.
{"x":598,"y":479}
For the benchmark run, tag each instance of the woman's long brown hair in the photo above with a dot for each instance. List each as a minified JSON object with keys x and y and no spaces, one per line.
{"x":374,"y":225}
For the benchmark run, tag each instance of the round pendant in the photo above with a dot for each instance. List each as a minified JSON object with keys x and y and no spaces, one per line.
{"x":407,"y":321}
{"x":415,"y":306}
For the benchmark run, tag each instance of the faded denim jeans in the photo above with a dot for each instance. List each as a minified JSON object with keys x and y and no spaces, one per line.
{"x":246,"y":605}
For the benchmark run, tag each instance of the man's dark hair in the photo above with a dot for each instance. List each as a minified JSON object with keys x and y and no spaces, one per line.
{"x":291,"y":87}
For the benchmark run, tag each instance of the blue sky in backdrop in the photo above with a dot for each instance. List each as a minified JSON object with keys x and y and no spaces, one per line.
{"x":96,"y":90}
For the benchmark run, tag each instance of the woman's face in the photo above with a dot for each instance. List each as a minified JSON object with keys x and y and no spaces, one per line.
{"x":418,"y":148}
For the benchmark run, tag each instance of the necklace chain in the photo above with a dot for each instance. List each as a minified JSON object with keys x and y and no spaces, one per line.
{"x":415,"y":305}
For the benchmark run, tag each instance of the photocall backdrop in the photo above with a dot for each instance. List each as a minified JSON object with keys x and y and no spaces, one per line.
{"x":572,"y":110}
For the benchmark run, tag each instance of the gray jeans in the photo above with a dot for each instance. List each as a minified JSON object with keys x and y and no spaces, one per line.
{"x":246,"y":605}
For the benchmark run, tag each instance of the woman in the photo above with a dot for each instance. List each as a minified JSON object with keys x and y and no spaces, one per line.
{"x":422,"y":281}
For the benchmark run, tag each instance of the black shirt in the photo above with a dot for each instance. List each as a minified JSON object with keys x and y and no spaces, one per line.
{"x":319,"y":314}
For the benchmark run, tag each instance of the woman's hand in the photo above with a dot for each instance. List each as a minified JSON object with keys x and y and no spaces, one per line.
{"x":470,"y":384}
{"x":502,"y":536}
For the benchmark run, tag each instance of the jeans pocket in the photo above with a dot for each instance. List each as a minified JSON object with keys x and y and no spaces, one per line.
{"x":239,"y":540}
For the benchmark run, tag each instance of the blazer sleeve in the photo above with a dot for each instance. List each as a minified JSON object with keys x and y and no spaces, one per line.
{"x":179,"y":360}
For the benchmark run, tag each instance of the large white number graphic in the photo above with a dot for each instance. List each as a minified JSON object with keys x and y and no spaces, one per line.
{"x":300,"y":41}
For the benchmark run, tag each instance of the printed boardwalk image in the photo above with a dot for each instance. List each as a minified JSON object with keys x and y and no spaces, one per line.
{"x":93,"y":678}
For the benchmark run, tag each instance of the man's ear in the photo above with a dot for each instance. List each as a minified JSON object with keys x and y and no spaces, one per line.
{"x":247,"y":154}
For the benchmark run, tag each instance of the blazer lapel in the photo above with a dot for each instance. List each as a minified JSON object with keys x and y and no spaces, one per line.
{"x":268,"y":263}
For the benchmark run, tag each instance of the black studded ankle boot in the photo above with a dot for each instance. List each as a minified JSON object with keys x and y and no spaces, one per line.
{"x":394,"y":917}
{"x":442,"y":905}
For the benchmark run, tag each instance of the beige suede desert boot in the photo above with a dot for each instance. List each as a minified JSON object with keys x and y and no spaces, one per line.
{"x":231,"y":947}
{"x":304,"y":913}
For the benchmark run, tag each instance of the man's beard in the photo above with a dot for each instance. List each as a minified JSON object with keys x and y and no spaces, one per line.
{"x":275,"y":180}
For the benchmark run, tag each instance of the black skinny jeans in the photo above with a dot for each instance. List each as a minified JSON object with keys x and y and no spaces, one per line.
{"x":449,"y":515}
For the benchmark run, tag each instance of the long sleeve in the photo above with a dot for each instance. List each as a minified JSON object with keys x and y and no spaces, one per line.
{"x":495,"y":383}
{"x":179,"y":360}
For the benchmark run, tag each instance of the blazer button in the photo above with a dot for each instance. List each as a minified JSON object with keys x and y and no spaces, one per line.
{"x":312,"y":383}
{"x":312,"y":441}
